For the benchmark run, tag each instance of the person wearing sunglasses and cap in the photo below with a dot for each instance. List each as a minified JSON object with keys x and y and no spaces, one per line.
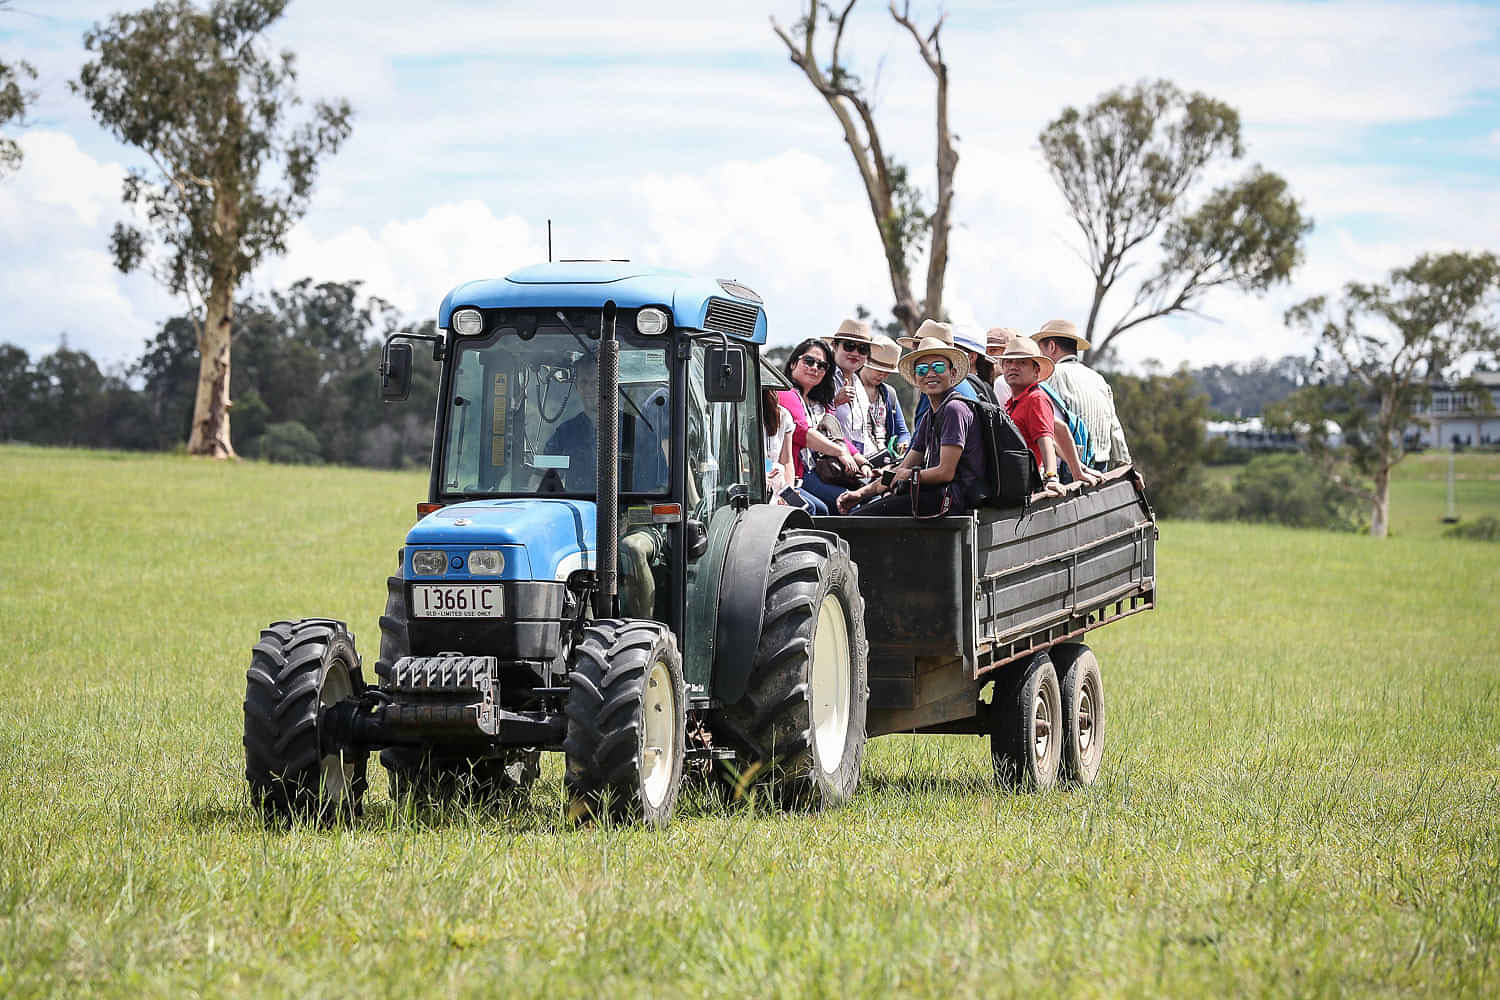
{"x":971,"y":385}
{"x":946,"y":463}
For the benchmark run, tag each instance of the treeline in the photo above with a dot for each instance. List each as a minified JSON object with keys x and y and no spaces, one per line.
{"x":305,"y":386}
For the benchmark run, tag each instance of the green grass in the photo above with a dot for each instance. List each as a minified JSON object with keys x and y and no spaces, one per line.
{"x":1301,"y":793}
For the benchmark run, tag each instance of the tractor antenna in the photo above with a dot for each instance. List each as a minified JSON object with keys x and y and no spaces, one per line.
{"x":549,"y":241}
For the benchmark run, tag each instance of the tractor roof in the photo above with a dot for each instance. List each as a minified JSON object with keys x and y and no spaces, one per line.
{"x":695,"y":302}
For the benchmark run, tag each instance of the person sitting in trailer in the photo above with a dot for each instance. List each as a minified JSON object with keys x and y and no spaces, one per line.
{"x":944,"y":470}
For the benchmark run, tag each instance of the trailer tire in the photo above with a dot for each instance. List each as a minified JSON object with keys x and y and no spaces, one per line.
{"x":297,"y":670}
{"x":1025,"y":735}
{"x":627,"y":722}
{"x":1083,"y":715}
{"x":799,"y":730}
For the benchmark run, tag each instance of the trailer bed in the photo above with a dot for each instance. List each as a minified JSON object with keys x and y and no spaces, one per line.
{"x":951,"y":600}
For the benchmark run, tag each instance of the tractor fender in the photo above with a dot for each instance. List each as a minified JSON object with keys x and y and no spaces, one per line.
{"x":742,"y":593}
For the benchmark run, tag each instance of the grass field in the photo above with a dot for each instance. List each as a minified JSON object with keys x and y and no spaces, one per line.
{"x":1301,"y":791}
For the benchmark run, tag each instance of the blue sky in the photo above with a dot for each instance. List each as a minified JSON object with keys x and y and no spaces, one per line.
{"x":677,"y":133}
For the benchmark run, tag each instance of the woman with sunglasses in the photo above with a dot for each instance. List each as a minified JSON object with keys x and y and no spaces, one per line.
{"x":851,"y":352}
{"x":946,"y":462}
{"x":810,"y":369}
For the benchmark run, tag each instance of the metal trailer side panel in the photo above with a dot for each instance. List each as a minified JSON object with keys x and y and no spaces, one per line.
{"x":949,"y":600}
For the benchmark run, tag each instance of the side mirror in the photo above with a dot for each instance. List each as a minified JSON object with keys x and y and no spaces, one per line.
{"x":724,"y":374}
{"x":395,"y":373}
{"x":696,"y":538}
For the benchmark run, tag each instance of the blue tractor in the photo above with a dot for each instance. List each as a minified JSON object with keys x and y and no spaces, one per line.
{"x":594,"y":572}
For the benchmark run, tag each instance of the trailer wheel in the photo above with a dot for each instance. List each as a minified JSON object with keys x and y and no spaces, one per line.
{"x":1026,"y":731}
{"x":297,"y":670}
{"x":1083,"y":730}
{"x":627,"y":722}
{"x":801,"y":724}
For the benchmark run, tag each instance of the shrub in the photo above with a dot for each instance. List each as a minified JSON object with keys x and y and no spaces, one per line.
{"x":289,"y":443}
{"x":1485,"y":529}
{"x":1289,"y":489}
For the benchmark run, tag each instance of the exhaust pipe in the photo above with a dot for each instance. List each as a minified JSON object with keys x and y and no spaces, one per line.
{"x":606,"y":472}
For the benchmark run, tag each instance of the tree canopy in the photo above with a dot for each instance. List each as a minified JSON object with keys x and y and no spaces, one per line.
{"x":1387,"y":342}
{"x":14,"y":99}
{"x":230,"y":171}
{"x":1127,"y":165}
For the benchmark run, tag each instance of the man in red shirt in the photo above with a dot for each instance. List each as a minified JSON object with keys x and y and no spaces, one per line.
{"x":1023,"y":365}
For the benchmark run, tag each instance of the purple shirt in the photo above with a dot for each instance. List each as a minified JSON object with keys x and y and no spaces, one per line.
{"x":955,"y":421}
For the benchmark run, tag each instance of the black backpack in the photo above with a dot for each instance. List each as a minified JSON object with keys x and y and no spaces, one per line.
{"x":1009,"y":465}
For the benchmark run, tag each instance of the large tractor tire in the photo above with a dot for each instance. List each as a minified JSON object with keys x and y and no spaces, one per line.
{"x":799,"y":730}
{"x":627,"y":722}
{"x":1026,"y":725}
{"x":1082,"y":691}
{"x":297,"y":671}
{"x":425,"y":774}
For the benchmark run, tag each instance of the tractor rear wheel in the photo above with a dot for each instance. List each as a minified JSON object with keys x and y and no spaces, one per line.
{"x":627,"y":722}
{"x":1026,"y":725}
{"x":297,"y":671}
{"x":801,"y":723}
{"x":1082,"y":713}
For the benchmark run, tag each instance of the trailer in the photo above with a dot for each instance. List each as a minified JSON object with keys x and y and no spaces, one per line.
{"x":954,"y":605}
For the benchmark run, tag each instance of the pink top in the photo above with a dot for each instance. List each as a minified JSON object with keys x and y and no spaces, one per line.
{"x":792,"y":400}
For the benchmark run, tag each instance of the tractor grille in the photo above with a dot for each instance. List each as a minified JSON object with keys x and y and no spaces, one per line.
{"x":731,"y":317}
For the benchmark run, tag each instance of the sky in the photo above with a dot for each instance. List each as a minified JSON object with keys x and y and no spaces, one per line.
{"x":678,"y":134}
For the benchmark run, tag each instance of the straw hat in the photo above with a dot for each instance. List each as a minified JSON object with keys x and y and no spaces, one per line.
{"x":969,"y":338}
{"x":1062,"y":328}
{"x":855,"y":330}
{"x":1025,"y":349}
{"x":884,"y":354}
{"x":930,"y":328}
{"x":927,"y":346}
{"x":996,"y":337}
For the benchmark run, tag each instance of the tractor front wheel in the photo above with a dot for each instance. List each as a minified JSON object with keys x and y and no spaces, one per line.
{"x":298,"y":670}
{"x":627,"y":722}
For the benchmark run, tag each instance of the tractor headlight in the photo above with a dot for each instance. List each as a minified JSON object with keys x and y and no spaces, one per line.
{"x":486,"y":562}
{"x":651,"y":321}
{"x":429,"y":562}
{"x":468,"y":322}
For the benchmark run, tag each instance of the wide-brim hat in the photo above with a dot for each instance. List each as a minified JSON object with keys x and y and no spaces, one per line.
{"x":1025,"y":349}
{"x":955,"y":356}
{"x":996,"y":337}
{"x":969,"y":338}
{"x":930,"y":329}
{"x":884,"y":354}
{"x":853,"y":329}
{"x":1062,"y":328}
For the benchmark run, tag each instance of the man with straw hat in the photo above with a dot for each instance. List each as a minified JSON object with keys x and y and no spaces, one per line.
{"x":851,"y":349}
{"x":1024,"y":365}
{"x":1084,"y":392}
{"x":932,"y":329}
{"x":946,"y":463}
{"x":886,"y":424}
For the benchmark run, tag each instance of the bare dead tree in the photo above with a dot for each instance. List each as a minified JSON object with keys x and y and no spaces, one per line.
{"x":903,"y":224}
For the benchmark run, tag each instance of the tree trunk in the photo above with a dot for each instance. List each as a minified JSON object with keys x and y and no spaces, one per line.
{"x":1380,"y":506}
{"x":210,"y":436}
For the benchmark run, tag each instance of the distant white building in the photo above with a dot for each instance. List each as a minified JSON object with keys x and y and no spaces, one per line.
{"x":1454,"y":414}
{"x":1251,"y":434}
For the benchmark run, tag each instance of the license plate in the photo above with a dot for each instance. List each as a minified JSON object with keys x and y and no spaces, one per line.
{"x":452,"y":600}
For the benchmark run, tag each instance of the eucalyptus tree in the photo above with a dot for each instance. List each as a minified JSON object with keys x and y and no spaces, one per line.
{"x":14,"y":99}
{"x":1388,"y":342}
{"x":904,"y":225}
{"x":1127,"y":167}
{"x":199,"y":92}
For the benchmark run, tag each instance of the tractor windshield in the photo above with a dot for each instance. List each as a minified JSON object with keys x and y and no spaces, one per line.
{"x":522,"y":415}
